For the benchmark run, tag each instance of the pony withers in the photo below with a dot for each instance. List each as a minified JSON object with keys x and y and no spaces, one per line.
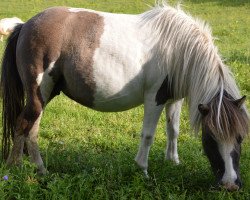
{"x":114,"y":62}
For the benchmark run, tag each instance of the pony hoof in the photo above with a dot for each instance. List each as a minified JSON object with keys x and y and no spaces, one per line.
{"x":145,"y":172}
{"x":42,"y":172}
{"x":13,"y":162}
{"x":176,"y":161}
{"x":231,"y":187}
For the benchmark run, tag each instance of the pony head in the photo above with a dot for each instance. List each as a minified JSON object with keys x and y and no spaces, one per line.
{"x":224,"y":125}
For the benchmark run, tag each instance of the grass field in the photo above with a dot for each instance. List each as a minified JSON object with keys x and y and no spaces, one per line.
{"x":90,"y":154}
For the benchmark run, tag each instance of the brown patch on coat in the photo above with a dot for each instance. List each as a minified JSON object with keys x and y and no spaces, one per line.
{"x":69,"y":39}
{"x":164,"y":93}
{"x":83,"y":40}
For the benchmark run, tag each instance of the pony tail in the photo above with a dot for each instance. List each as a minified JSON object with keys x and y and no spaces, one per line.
{"x":12,"y":92}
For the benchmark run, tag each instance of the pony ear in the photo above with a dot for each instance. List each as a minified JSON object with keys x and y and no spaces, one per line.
{"x":204,"y":109}
{"x":239,"y":102}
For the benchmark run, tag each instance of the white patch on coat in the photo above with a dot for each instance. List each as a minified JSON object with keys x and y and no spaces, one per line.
{"x":46,"y":83}
{"x":230,"y":175}
{"x":118,"y":64}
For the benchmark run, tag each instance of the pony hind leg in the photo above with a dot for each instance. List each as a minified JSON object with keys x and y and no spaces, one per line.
{"x":15,"y":156}
{"x":39,"y":94}
{"x":173,"y":122}
{"x":46,"y":92}
{"x":25,"y":123}
{"x":151,"y":117}
{"x":27,"y":131}
{"x":32,"y":146}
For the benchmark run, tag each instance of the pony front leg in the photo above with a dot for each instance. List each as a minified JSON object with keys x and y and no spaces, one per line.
{"x":173,"y":122}
{"x":151,"y":117}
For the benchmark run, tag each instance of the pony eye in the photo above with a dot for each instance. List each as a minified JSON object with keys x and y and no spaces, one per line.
{"x":239,"y":139}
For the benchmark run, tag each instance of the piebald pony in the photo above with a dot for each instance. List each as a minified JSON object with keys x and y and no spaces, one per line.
{"x":114,"y":62}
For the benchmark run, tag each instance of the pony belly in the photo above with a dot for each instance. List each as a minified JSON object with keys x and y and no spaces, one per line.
{"x":119,"y":102}
{"x":115,"y":103}
{"x":102,"y":97}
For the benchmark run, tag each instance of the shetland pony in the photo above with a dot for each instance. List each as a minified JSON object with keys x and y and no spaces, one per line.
{"x":114,"y":62}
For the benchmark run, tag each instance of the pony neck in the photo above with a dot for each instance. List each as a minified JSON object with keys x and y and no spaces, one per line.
{"x":186,"y":53}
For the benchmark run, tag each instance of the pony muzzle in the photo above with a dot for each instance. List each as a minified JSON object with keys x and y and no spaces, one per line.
{"x":231,"y":187}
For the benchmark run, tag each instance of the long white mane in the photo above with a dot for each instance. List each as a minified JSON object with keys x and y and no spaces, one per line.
{"x":186,"y":52}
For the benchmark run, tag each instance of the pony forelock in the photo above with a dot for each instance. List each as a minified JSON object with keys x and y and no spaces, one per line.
{"x":233,"y":121}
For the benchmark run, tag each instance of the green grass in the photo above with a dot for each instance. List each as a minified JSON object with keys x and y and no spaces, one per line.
{"x":90,"y":154}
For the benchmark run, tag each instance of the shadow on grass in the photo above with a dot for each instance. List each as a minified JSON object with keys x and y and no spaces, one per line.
{"x":117,"y":166}
{"x":85,"y":171}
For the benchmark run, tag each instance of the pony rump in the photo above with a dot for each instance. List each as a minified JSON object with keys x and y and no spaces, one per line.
{"x":11,"y":90}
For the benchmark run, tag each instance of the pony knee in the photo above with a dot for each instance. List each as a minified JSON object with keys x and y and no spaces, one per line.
{"x":147,"y":139}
